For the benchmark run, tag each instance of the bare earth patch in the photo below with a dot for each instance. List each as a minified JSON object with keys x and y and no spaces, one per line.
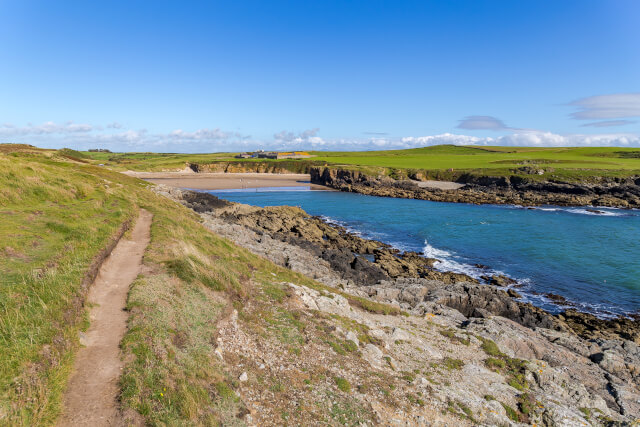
{"x":223,"y":181}
{"x":91,"y":395}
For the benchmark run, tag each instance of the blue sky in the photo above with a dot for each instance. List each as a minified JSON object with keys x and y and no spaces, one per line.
{"x":225,"y":76}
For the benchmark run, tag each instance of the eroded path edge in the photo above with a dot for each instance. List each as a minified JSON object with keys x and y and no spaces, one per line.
{"x":91,"y":395}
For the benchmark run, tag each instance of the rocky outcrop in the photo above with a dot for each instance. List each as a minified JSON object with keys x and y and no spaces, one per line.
{"x":623,"y":193}
{"x":360,"y":261}
{"x":575,"y":368}
{"x":382,"y":272}
{"x":292,"y":166}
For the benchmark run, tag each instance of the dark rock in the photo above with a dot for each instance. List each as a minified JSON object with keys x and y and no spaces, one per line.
{"x":202,"y":202}
{"x":467,"y":297}
{"x":513,"y":294}
{"x":494,"y":190}
{"x":589,"y":326}
{"x":499,"y":280}
{"x":558,"y":299}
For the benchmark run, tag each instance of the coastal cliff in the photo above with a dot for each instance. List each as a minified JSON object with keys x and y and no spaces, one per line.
{"x":292,"y":166}
{"x":492,"y":359}
{"x":610,"y":192}
{"x":476,"y":188}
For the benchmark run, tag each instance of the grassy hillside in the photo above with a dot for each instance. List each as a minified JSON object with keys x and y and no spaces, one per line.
{"x":58,"y":214}
{"x":215,"y":333}
{"x":443,"y":162}
{"x":56,"y":218}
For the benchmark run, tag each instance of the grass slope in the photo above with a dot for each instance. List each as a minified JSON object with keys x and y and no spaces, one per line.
{"x":55,"y":218}
{"x":58,"y":213}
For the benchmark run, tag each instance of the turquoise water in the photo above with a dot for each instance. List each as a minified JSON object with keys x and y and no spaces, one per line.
{"x":591,"y":259}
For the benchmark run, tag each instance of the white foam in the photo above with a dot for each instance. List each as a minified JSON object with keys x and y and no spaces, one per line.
{"x":586,"y":210}
{"x":449,"y":261}
{"x":596,"y":212}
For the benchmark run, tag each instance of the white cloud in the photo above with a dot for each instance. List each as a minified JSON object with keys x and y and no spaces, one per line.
{"x":201,"y":135}
{"x":83,"y":137}
{"x":609,"y":123}
{"x":614,"y":106}
{"x":481,"y":123}
{"x":46,"y":128}
{"x":307,"y":136}
{"x":532,"y":139}
{"x":115,"y":138}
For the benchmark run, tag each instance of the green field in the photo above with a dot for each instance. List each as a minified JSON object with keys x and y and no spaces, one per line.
{"x":438,"y":162}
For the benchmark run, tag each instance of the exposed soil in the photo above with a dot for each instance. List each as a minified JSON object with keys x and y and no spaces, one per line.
{"x":223,"y":181}
{"x":90,"y":399}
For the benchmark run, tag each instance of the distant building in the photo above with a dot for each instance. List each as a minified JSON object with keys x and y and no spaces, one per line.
{"x":99,"y":150}
{"x":274,"y":155}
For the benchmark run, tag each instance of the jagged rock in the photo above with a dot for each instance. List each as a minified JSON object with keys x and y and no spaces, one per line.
{"x":587,"y":325}
{"x":373,"y":355}
{"x":516,"y":190}
{"x":400,"y":334}
{"x":569,"y":366}
{"x":499,"y":280}
{"x":351,"y":336}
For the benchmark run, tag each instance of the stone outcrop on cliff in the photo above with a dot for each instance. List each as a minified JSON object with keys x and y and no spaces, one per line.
{"x":568,"y":369}
{"x":624,"y":193}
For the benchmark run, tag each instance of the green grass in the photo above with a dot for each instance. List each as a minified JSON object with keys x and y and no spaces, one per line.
{"x":59,"y":212}
{"x":452,"y":364}
{"x":491,"y":348}
{"x":436,"y":161}
{"x":444,"y":162}
{"x":55,"y":219}
{"x":511,"y":413}
{"x":342,"y":384}
{"x":449,"y":333}
{"x":514,"y":369}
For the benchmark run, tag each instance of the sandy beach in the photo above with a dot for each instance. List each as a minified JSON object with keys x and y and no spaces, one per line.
{"x":226,"y":181}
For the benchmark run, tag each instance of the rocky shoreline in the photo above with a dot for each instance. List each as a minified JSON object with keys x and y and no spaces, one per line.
{"x":596,"y":362}
{"x":515,"y":190}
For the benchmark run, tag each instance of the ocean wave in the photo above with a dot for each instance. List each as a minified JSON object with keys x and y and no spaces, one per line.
{"x":581,"y":210}
{"x":371,"y":235}
{"x":449,"y":261}
{"x":596,"y":212}
{"x":593,"y":211}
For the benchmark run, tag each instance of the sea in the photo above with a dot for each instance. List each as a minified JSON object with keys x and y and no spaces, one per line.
{"x":588,"y":255}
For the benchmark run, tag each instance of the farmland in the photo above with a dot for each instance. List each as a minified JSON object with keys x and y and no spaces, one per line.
{"x":439,"y":162}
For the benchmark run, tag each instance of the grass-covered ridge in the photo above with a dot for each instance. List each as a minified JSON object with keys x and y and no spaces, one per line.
{"x":55,"y":219}
{"x":58,"y":214}
{"x":439,"y":162}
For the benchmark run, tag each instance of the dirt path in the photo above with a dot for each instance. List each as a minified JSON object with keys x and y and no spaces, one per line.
{"x":90,"y":399}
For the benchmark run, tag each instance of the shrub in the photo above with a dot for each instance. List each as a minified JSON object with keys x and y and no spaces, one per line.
{"x":451,"y":363}
{"x":343,"y":384}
